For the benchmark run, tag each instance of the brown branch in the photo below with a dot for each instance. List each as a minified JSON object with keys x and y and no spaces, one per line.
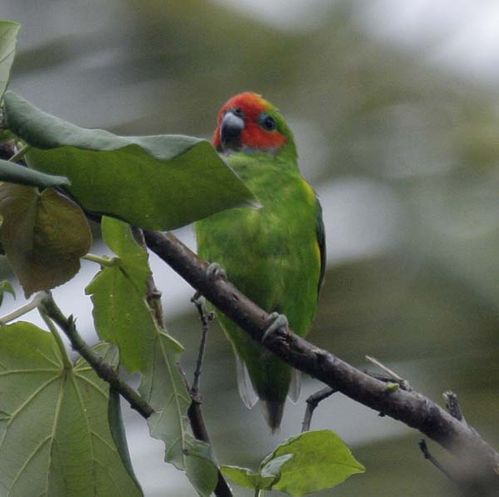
{"x":312,"y":402}
{"x":409,"y":407}
{"x":102,"y":368}
{"x":205,"y":317}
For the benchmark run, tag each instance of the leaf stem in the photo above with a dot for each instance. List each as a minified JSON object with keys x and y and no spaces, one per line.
{"x":58,"y":340}
{"x":24,"y":309}
{"x":102,"y":260}
{"x":20,"y":153}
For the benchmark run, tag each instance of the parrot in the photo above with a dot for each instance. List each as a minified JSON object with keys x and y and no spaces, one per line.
{"x":274,"y":254}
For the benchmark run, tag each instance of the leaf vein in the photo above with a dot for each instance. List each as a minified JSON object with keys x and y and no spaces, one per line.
{"x":28,"y":460}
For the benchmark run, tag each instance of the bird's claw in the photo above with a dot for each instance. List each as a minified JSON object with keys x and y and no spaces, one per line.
{"x":215,"y":271}
{"x":279,"y":321}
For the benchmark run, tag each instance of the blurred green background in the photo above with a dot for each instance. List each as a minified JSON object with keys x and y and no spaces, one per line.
{"x":397,"y":125}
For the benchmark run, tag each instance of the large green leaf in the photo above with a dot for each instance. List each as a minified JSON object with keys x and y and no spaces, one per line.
{"x":163,"y":386}
{"x":309,"y":462}
{"x":320,"y":460}
{"x":8,"y":38}
{"x":55,"y":440}
{"x":122,"y":316}
{"x":14,"y":173}
{"x":43,"y":235}
{"x":155,"y":182}
{"x":121,"y":313}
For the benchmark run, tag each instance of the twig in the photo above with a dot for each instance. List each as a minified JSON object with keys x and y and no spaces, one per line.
{"x":392,"y":383}
{"x":153,"y":294}
{"x":312,"y":402}
{"x":392,"y":376}
{"x":205,"y":317}
{"x":410,"y":407}
{"x":427,"y":455}
{"x":103,"y":370}
{"x":194,"y":413}
{"x":452,"y":405}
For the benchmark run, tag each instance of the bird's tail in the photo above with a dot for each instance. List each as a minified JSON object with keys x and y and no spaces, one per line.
{"x":273,"y":410}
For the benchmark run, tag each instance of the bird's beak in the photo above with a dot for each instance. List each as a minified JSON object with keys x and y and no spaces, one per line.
{"x":230,"y":131}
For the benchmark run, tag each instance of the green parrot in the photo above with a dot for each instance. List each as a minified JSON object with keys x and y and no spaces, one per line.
{"x":275,"y":254}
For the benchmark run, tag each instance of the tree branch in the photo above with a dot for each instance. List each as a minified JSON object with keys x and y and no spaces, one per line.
{"x":103,"y":370}
{"x":409,"y":407}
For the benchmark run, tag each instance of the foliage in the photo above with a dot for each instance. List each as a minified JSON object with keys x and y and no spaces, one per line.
{"x":8,"y":38}
{"x":55,"y":437}
{"x":121,"y":313}
{"x":122,"y":316}
{"x":154,"y":182}
{"x":312,"y":461}
{"x":44,"y":234}
{"x":61,"y":429}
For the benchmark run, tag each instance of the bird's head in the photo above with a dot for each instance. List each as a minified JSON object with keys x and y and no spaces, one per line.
{"x":249,"y":123}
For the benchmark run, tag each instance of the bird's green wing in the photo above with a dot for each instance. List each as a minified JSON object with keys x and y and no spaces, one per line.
{"x":321,"y":242}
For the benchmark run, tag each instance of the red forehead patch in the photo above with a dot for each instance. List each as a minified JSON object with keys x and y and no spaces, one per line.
{"x":251,"y":103}
{"x":253,"y":136}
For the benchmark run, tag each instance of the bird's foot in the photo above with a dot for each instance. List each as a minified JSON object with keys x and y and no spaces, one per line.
{"x":279,"y":321}
{"x":215,"y":271}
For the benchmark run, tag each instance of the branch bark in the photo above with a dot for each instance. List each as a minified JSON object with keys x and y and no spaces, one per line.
{"x":410,"y":407}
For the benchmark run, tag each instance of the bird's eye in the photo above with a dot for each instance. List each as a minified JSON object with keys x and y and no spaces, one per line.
{"x":268,"y":123}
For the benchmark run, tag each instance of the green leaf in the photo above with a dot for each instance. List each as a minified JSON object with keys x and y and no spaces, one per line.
{"x":122,"y":316}
{"x":268,"y":475}
{"x":199,"y":466}
{"x":320,"y":460}
{"x":118,"y":432}
{"x":14,"y":173}
{"x":243,"y":477}
{"x":121,"y":313}
{"x":43,"y":235}
{"x":309,"y":462}
{"x":54,"y":432}
{"x":164,"y":388}
{"x":155,"y":182}
{"x":8,"y":38}
{"x":6,"y":287}
{"x":272,"y":468}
